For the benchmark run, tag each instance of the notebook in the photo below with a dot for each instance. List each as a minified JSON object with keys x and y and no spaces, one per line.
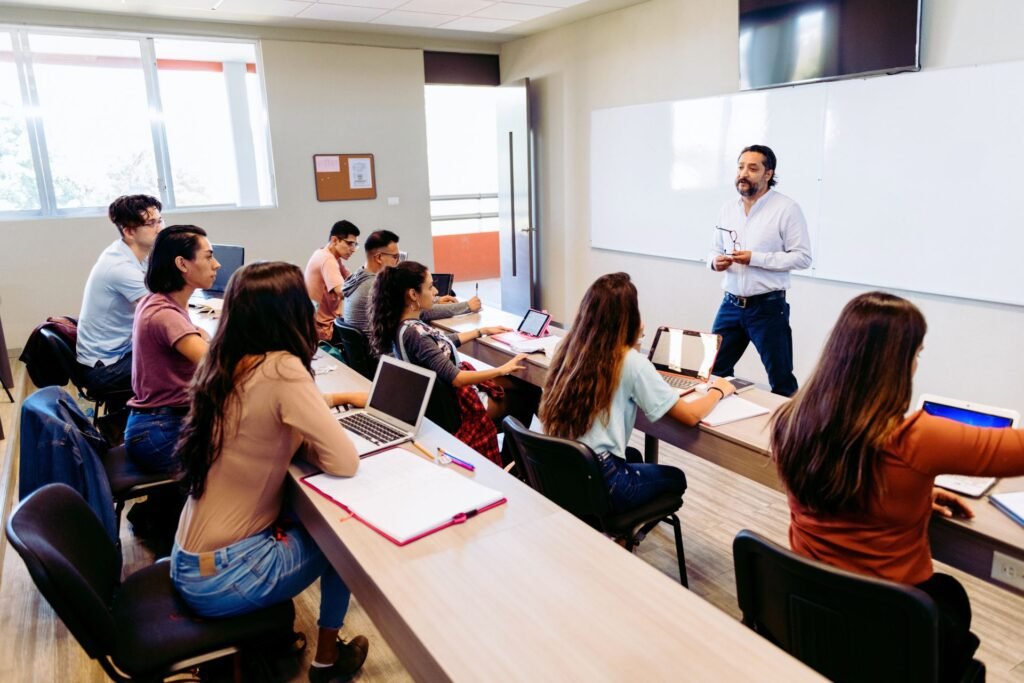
{"x":684,"y":357}
{"x":444,"y":283}
{"x":973,"y":414}
{"x":733,"y":409}
{"x":534,"y":325}
{"x":404,"y":497}
{"x":1010,"y":503}
{"x":394,"y":409}
{"x":231,"y":258}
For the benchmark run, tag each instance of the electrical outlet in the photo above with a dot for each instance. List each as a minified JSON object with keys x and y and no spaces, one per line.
{"x":1009,"y":570}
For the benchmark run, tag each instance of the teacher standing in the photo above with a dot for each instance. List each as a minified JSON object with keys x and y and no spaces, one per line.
{"x":759,"y":238}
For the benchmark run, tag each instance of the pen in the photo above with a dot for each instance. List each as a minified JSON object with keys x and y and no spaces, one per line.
{"x":418,"y":446}
{"x":458,"y":461}
{"x":478,"y":290}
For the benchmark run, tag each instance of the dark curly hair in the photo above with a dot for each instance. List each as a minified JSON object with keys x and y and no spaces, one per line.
{"x":387,"y":301}
{"x":127,"y":210}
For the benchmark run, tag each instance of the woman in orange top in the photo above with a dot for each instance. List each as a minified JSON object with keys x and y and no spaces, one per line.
{"x":860,"y":475}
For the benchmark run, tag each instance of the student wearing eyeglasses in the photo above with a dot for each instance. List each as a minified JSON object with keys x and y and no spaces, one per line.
{"x":325,"y":275}
{"x":116,"y":284}
{"x":382,"y":252}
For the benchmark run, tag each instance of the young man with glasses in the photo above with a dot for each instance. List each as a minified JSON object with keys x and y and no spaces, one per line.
{"x":760,"y":237}
{"x":382,"y":252}
{"x":114,"y":287}
{"x":325,"y":275}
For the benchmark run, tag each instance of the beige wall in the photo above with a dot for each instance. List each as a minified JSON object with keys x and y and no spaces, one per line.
{"x":322,"y":98}
{"x":675,"y":49}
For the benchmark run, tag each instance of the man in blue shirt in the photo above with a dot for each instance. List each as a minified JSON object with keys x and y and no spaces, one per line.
{"x":115,"y":285}
{"x":761,"y":236}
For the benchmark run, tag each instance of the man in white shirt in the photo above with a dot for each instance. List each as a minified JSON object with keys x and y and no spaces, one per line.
{"x":760,"y":237}
{"x":115,"y":285}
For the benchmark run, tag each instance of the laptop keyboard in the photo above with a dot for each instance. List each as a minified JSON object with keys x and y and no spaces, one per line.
{"x":680,"y":382}
{"x":371,"y":429}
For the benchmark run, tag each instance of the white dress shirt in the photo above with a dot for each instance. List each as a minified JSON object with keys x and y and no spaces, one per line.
{"x":775,"y":233}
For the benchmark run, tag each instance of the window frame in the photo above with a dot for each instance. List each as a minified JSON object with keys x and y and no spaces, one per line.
{"x":36,"y":133}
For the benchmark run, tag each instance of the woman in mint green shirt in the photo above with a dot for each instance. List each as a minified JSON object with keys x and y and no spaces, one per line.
{"x":598,"y":380}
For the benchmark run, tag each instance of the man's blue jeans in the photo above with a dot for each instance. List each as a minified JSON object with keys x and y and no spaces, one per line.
{"x":764,"y":321}
{"x":259,"y":571}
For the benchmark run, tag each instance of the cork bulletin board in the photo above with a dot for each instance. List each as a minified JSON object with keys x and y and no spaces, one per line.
{"x":341,"y":177}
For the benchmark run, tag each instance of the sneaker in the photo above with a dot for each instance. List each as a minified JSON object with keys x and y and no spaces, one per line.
{"x":351,"y":656}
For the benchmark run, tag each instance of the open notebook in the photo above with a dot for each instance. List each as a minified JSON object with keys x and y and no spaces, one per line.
{"x":403,"y":497}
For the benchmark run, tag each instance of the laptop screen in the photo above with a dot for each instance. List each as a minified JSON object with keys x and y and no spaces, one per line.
{"x":685,"y":352}
{"x":443,"y":282}
{"x":231,"y":258}
{"x":974,"y":418}
{"x":399,"y":392}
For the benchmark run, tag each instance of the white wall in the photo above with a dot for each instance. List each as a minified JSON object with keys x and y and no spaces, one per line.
{"x":674,"y":49}
{"x":321,"y":98}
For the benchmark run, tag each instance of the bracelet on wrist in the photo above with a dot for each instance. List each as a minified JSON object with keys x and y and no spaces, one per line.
{"x":718,"y":390}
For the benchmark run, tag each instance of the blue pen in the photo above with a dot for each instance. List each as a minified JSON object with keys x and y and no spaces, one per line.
{"x":458,"y":461}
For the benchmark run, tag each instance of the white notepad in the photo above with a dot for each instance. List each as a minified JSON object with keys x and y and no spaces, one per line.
{"x":404,"y":497}
{"x":545,"y":345}
{"x":1010,"y":503}
{"x":733,"y":409}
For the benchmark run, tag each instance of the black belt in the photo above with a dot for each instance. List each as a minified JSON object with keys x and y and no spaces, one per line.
{"x":177,"y":411}
{"x":747,"y":301}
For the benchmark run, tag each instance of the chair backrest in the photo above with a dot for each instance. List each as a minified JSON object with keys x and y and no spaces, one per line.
{"x":65,"y":356}
{"x":72,"y":561}
{"x":845,"y":626}
{"x":356,"y":346}
{"x":564,"y":471}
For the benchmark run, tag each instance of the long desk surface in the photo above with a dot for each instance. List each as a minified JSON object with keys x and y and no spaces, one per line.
{"x":742,"y":447}
{"x":527,"y":592}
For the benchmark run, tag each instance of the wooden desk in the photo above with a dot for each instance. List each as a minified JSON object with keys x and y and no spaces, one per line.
{"x":742,"y":447}
{"x":527,"y":592}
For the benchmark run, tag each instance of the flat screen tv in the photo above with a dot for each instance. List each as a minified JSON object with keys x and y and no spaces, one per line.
{"x":799,"y":41}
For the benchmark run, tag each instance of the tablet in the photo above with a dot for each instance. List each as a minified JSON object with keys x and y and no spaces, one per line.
{"x":535,"y":323}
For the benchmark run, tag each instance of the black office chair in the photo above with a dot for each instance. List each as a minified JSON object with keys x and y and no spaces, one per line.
{"x":129,"y":483}
{"x":355,"y":347}
{"x":65,"y":355}
{"x":138,"y":629}
{"x":569,"y":474}
{"x":845,"y":626}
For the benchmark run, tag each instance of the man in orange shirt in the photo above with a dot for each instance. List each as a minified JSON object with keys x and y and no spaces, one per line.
{"x":325,"y":275}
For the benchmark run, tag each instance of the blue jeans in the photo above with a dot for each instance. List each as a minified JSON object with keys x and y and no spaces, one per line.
{"x":631,"y":485}
{"x":149,"y":441}
{"x":260,"y":571}
{"x":766,"y":323}
{"x":106,"y":379}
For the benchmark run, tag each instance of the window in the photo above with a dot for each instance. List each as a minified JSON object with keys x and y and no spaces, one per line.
{"x":85,"y":117}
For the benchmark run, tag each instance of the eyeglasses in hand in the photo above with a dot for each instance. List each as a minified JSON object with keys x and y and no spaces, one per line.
{"x":733,"y":235}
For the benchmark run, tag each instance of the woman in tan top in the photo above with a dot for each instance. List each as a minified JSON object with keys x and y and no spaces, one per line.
{"x":253,"y":406}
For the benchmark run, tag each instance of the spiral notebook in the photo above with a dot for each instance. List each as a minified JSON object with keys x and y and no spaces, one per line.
{"x":404,"y":497}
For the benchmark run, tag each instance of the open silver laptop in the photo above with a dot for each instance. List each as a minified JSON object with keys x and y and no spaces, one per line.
{"x":684,"y":357}
{"x":974,"y":414}
{"x":394,"y":410}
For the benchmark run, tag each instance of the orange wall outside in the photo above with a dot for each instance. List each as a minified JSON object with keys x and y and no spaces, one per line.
{"x":470,"y":256}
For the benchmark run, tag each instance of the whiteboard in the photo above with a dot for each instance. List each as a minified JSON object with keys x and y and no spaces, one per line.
{"x":907,"y":181}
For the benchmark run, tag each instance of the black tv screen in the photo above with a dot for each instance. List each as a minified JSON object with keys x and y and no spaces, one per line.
{"x":798,"y":41}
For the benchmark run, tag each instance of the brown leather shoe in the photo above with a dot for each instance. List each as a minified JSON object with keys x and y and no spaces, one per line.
{"x":351,"y":656}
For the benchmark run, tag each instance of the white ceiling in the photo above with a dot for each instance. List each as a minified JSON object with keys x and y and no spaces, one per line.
{"x":503,"y":19}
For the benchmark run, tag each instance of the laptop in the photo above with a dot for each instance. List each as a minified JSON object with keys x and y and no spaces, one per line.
{"x":973,"y":414}
{"x":394,"y":410}
{"x":533,"y":326}
{"x":231,"y":257}
{"x":444,"y":282}
{"x":684,"y":357}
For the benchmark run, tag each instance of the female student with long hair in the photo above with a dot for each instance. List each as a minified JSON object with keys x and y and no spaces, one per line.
{"x":254,"y":404}
{"x":400,"y":294}
{"x":860,"y":475}
{"x":598,"y":379}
